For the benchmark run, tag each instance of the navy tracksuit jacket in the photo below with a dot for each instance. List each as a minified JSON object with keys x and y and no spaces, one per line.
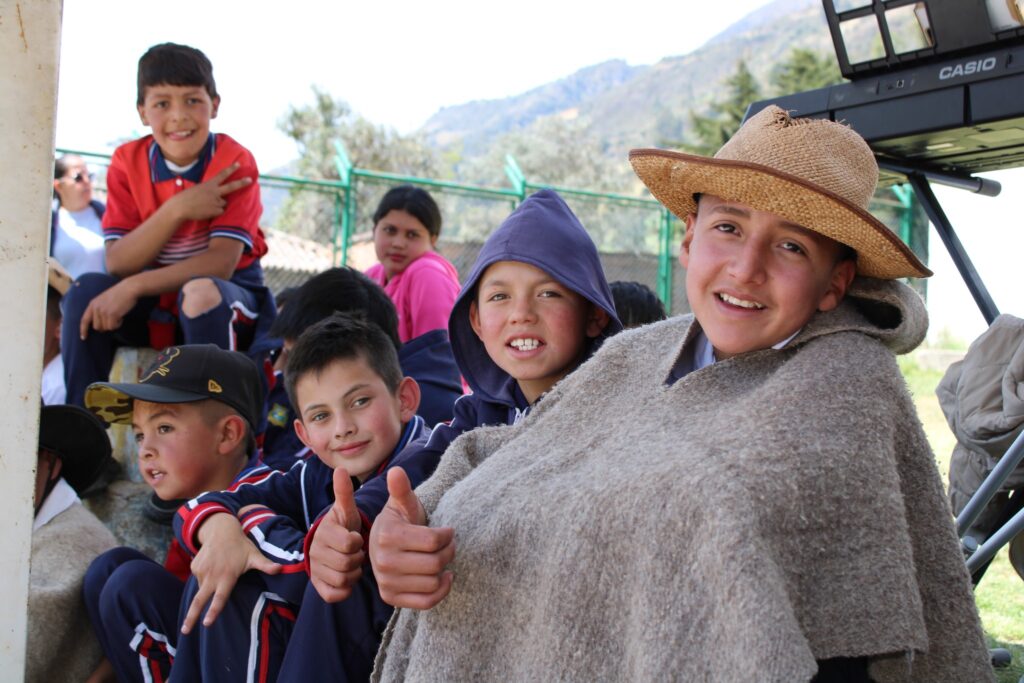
{"x":250,"y":636}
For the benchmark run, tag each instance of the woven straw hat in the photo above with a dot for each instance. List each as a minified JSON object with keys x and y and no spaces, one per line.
{"x":816,"y":173}
{"x":56,"y":276}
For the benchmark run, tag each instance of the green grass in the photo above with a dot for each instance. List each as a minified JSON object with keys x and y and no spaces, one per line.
{"x":1000,"y":594}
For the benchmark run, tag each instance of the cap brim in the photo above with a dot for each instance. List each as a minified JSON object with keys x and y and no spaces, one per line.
{"x":112,"y":403}
{"x":675,"y":177}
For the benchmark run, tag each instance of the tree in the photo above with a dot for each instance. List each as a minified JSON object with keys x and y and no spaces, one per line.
{"x":802,"y":70}
{"x":554,"y":150}
{"x":805,"y":70}
{"x":314,"y":128}
{"x":709,"y":133}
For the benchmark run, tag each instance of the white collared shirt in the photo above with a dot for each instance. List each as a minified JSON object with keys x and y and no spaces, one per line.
{"x":60,"y":499}
{"x":704,"y":353}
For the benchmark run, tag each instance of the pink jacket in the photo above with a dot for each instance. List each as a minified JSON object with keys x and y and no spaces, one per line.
{"x":424,"y":294}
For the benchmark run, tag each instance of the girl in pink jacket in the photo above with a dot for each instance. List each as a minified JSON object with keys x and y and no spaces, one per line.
{"x":422,"y":283}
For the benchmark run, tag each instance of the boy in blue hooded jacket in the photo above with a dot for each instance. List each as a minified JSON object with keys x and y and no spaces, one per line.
{"x":535,"y":305}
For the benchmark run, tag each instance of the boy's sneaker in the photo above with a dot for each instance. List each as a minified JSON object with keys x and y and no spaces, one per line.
{"x":159,"y":510}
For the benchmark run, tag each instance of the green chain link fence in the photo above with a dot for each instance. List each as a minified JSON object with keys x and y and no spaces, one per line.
{"x":638,"y":238}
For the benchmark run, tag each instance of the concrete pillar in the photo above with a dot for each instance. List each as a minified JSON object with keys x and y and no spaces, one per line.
{"x":29,"y":49}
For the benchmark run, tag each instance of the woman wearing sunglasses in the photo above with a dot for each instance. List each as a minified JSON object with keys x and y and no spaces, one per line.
{"x":76,"y":235}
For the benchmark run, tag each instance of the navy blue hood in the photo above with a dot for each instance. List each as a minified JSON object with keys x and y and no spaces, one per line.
{"x":543,"y":232}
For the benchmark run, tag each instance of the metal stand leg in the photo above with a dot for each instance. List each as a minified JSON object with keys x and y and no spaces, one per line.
{"x":956,"y":250}
{"x":988,"y":489}
{"x":996,"y":541}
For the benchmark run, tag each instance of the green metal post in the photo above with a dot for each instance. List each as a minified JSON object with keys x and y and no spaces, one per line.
{"x":516,"y":177}
{"x":335,"y":228}
{"x":344,"y":167}
{"x":346,"y":226}
{"x":905,"y":195}
{"x":665,"y":259}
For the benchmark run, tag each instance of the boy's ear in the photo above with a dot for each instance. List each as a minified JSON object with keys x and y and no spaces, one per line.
{"x":55,"y":467}
{"x":474,"y":318}
{"x":408,"y":394}
{"x":216,"y":106}
{"x":433,"y":241}
{"x":597,"y":320}
{"x":232,"y":433}
{"x":684,"y":249}
{"x":842,"y":275}
{"x":142,"y":114}
{"x":300,"y":430}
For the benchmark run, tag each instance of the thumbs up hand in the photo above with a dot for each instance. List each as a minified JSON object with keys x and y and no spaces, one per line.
{"x":408,"y":557}
{"x":336,"y":553}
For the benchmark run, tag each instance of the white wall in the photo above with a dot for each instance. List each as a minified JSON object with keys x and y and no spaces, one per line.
{"x":29,"y":49}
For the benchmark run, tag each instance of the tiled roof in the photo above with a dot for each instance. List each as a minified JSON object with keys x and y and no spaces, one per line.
{"x":293,"y":253}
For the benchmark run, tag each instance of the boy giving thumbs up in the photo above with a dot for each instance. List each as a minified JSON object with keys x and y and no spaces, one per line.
{"x":356,"y":413}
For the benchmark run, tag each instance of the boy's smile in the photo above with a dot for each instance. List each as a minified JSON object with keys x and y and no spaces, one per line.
{"x":178,"y":455}
{"x":399,"y":238}
{"x":533,"y":327}
{"x":179,"y":116}
{"x":754,"y":279}
{"x":349,"y":418}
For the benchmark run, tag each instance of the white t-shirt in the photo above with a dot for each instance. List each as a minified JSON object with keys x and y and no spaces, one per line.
{"x":54,"y":392}
{"x":78,"y":242}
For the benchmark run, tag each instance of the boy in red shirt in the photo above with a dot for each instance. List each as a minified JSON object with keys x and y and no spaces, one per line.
{"x":181,"y":229}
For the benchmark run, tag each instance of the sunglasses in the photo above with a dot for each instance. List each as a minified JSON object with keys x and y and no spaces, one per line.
{"x":80,"y":177}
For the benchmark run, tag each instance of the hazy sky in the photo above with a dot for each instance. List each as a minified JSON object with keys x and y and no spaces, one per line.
{"x":395,"y":62}
{"x":398,"y":62}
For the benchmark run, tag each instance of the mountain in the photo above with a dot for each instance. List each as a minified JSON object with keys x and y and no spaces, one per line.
{"x":475,"y":123}
{"x":640,"y":106}
{"x":772,"y":12}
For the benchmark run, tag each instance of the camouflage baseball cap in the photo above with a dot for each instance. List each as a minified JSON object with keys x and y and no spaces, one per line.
{"x":184,"y":374}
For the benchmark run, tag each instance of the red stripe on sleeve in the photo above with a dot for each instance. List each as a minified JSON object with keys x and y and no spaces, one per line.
{"x":193,"y":519}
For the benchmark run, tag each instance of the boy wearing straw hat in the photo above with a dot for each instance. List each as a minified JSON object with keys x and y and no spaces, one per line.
{"x":744,"y":493}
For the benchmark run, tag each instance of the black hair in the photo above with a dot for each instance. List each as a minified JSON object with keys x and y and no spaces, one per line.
{"x":282,"y":298}
{"x":53,"y":298}
{"x":173,"y":64}
{"x":414,"y":201}
{"x":212,"y":410}
{"x":341,"y":337}
{"x":846,"y":253}
{"x":60,"y":167}
{"x":340,"y":290}
{"x":636,"y":304}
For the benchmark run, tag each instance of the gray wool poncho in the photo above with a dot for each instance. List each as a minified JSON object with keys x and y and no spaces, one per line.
{"x":60,"y":644}
{"x":764,"y":512}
